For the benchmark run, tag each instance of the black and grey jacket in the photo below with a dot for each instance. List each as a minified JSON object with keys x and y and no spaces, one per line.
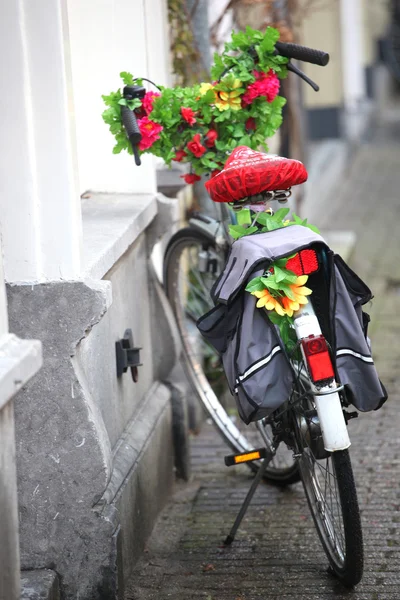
{"x":255,"y":362}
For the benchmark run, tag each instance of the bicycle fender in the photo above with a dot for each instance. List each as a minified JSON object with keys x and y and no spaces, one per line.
{"x":210,"y":227}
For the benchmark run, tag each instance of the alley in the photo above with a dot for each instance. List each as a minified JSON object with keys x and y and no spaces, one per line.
{"x":277,"y":553}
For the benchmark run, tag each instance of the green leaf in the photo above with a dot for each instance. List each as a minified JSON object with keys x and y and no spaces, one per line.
{"x":297,"y":219}
{"x":274,"y":317}
{"x":270,"y":283}
{"x":280,"y":275}
{"x":281,"y":214}
{"x":281,"y":262}
{"x":115,"y":127}
{"x":126,"y":77}
{"x":290,"y":277}
{"x":272,"y":225}
{"x":244,"y":217}
{"x":287,"y":291}
{"x":263,"y":218}
{"x":237,"y":231}
{"x":255,"y":285}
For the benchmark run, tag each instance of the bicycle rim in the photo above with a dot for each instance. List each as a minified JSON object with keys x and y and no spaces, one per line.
{"x":181,"y":270}
{"x":331,"y":494}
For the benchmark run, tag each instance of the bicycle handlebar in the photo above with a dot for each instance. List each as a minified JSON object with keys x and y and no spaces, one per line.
{"x":315,"y":57}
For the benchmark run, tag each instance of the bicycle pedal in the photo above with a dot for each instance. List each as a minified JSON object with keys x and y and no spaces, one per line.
{"x":243,"y":457}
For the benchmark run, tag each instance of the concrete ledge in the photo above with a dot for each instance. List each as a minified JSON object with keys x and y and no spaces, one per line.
{"x":111,"y":223}
{"x":39,"y":585}
{"x":19,"y":361}
{"x":127,"y":451}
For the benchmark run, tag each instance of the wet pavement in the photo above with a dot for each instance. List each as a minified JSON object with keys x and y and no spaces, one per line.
{"x":277,"y":554}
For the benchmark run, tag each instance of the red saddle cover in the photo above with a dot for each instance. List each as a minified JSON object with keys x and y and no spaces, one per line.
{"x":247,"y":173}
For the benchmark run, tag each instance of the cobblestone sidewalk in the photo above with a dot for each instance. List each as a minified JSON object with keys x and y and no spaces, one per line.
{"x":276,"y":554}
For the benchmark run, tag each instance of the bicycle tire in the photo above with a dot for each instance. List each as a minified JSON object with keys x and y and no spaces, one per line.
{"x":338,"y":525}
{"x":283,"y":470}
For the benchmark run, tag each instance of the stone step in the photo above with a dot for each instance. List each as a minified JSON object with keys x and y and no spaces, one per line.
{"x":39,"y":585}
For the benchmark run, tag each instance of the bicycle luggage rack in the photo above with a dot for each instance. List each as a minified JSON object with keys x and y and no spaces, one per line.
{"x":236,"y":459}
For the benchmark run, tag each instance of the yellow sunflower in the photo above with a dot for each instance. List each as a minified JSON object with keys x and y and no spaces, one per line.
{"x":269,"y":302}
{"x":230,"y":99}
{"x":284,"y":305}
{"x":205,"y":87}
{"x":300,"y":293}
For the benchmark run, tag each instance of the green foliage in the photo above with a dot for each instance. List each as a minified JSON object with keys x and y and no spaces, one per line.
{"x":218,"y":108}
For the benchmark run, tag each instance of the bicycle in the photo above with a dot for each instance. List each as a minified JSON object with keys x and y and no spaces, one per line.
{"x":304,"y":437}
{"x":204,"y":245}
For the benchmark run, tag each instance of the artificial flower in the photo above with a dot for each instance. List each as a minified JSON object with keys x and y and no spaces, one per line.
{"x":179,"y":155}
{"x":195,"y":146}
{"x":150,"y":132}
{"x":188,"y":115}
{"x":191,"y":177}
{"x":266,"y":84}
{"x":251,"y":124}
{"x":148,"y":100}
{"x":299,"y":290}
{"x":210,"y":136}
{"x":265,"y":299}
{"x":231,"y":98}
{"x":205,"y":87}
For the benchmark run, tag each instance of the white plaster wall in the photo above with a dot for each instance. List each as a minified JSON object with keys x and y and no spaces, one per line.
{"x":3,"y":301}
{"x":39,"y":203}
{"x":107,"y":37}
{"x":352,"y":39}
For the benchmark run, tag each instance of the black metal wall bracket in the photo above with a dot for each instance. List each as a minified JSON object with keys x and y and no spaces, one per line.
{"x":128,"y":355}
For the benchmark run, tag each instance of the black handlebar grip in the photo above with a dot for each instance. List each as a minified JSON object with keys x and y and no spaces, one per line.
{"x":131,"y":126}
{"x":315,"y":57}
{"x":132,"y":130}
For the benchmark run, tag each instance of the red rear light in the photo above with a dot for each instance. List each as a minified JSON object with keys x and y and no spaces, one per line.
{"x":319,"y":362}
{"x":303,"y":263}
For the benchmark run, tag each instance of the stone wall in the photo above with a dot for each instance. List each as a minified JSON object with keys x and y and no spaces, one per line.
{"x":95,"y":452}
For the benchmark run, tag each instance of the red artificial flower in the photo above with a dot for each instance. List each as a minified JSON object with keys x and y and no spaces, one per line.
{"x":196,"y":147}
{"x":191,"y":177}
{"x":179,"y":155}
{"x":266,"y":84}
{"x":150,"y":132}
{"x":147,"y":101}
{"x":251,"y":124}
{"x":188,"y":115}
{"x":210,"y":136}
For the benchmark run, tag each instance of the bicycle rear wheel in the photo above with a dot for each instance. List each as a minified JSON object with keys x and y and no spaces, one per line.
{"x":192,"y":264}
{"x":331,"y":493}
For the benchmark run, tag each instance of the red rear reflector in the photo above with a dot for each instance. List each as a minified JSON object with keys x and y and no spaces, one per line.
{"x":303,"y":263}
{"x":317,"y":356}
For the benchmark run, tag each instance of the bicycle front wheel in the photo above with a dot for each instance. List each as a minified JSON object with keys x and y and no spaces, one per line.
{"x":192,"y":264}
{"x":331,"y":494}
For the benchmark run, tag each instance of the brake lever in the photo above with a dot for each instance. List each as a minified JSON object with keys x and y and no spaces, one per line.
{"x":303,"y":76}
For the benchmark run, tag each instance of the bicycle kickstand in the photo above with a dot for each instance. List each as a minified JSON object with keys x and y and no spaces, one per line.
{"x":236,"y":459}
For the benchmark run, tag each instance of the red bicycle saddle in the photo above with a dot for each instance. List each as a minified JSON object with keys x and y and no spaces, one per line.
{"x":248,"y":173}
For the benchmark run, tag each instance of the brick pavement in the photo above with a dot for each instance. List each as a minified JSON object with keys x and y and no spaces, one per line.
{"x":276,"y":554}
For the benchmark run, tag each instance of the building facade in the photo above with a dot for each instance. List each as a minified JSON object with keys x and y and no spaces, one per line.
{"x":95,"y":449}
